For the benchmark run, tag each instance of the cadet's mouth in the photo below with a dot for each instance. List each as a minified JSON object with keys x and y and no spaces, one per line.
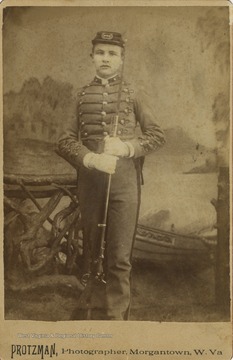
{"x":105,"y":66}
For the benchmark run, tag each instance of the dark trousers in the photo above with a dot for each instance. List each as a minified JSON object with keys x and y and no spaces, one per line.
{"x":112,"y":300}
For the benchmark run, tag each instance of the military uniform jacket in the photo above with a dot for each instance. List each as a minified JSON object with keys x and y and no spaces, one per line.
{"x":93,"y":119}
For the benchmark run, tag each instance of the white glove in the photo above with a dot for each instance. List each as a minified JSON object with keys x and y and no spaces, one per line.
{"x":115,"y":146}
{"x":101,"y":162}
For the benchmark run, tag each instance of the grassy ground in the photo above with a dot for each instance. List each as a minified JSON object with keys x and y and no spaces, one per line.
{"x":160,"y":292}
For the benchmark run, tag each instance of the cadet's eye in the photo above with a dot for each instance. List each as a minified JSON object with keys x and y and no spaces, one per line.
{"x":99,"y":52}
{"x":112,"y":53}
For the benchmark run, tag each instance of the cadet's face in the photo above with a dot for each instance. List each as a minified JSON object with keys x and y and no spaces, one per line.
{"x":107,"y":59}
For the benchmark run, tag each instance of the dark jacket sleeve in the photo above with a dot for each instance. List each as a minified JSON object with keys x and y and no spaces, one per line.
{"x":70,"y":146}
{"x":152,"y":137}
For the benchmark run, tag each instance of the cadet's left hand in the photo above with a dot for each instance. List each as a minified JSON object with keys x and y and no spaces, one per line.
{"x":115,"y":146}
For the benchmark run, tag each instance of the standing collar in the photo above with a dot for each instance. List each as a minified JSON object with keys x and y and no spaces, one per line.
{"x":99,"y":80}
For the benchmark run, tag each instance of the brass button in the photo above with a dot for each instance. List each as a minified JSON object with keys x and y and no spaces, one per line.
{"x":119,"y":132}
{"x":80,"y":113}
{"x":105,"y":102}
{"x":105,"y":94}
{"x":103,"y":123}
{"x":85,"y":134}
{"x":83,"y":93}
{"x":103,"y":113}
{"x":105,"y":133}
{"x":122,"y":121}
{"x":82,"y":123}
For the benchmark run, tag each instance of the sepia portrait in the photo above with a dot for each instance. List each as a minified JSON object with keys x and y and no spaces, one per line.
{"x":116,"y":172}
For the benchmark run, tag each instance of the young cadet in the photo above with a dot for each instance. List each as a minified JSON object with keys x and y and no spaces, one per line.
{"x":89,"y":146}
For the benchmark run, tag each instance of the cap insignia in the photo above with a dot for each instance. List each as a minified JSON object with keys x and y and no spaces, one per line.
{"x":106,"y":36}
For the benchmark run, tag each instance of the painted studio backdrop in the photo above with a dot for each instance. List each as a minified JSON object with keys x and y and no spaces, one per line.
{"x":180,"y":57}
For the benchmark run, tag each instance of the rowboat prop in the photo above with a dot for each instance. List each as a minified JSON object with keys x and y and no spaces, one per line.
{"x":159,"y":245}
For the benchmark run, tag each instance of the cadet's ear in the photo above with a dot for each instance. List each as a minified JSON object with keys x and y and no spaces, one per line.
{"x":92,"y":57}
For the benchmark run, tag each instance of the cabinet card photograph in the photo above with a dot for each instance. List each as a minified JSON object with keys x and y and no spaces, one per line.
{"x":116,"y":180}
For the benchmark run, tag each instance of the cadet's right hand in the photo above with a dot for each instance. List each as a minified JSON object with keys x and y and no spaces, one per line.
{"x":102,"y":162}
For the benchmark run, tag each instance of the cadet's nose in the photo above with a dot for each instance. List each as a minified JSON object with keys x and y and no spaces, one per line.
{"x":105,"y":58}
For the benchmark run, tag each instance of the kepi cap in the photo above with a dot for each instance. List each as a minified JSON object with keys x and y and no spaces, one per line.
{"x":108,"y":37}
